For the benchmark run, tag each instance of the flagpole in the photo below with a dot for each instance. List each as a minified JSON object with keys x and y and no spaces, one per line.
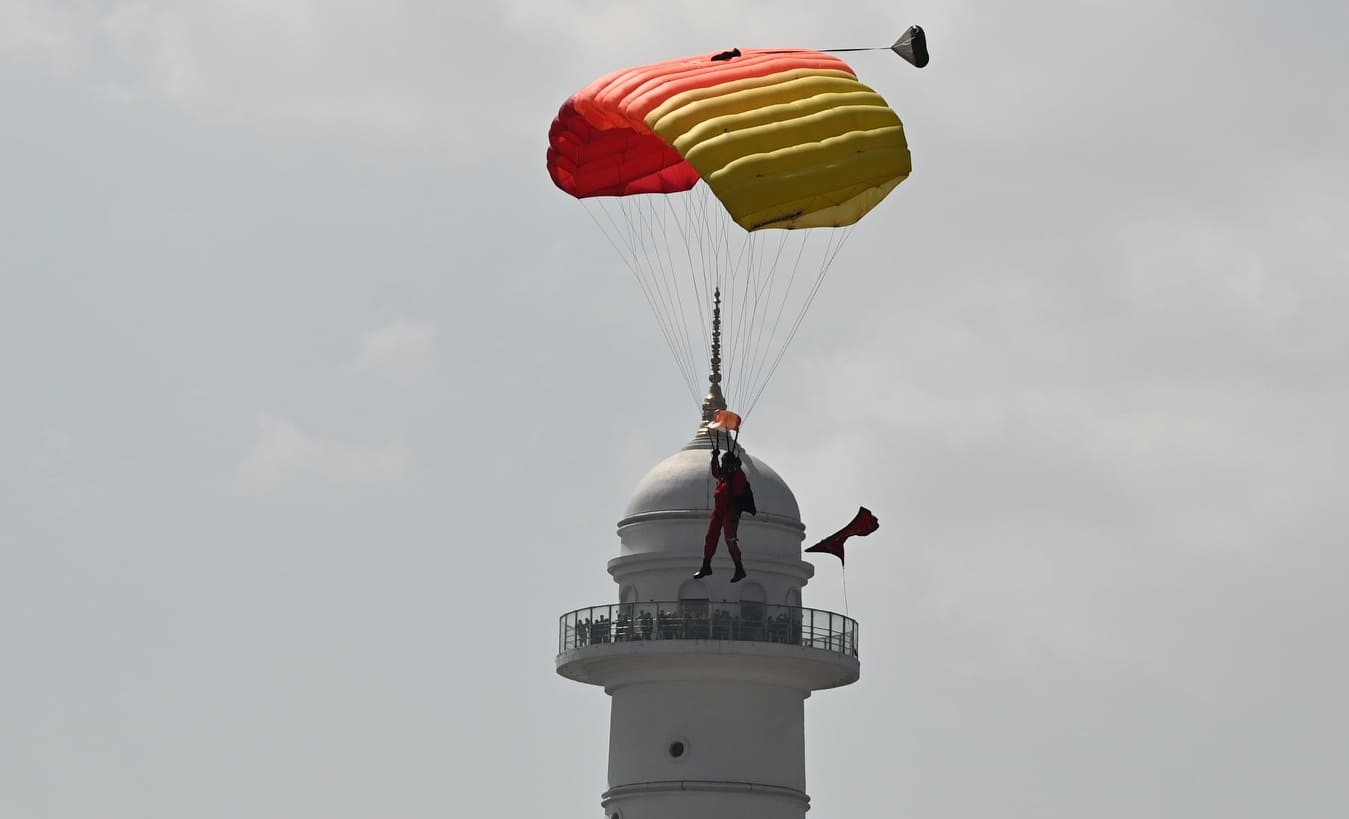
{"x":844,"y":572}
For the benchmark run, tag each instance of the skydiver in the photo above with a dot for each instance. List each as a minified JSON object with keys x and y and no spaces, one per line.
{"x":732,"y":496}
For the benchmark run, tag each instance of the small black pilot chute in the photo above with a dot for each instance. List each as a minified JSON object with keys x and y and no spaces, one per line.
{"x":912,"y":46}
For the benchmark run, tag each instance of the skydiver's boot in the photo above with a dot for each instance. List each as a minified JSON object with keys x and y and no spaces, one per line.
{"x":704,"y":571}
{"x":739,"y":572}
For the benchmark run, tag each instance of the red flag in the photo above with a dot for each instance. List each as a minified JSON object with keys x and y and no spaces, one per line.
{"x":862,"y":525}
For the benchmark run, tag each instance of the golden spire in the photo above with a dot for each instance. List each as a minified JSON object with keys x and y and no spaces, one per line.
{"x":714,"y":400}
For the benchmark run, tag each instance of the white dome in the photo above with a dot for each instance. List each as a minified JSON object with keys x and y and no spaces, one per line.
{"x":666,"y":521}
{"x":683,"y":483}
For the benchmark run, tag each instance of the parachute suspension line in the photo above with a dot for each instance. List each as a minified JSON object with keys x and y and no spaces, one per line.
{"x":630,"y":262}
{"x":752,"y":264}
{"x":735,"y":309}
{"x":757,"y":305}
{"x":672,"y":275}
{"x":673,"y":286}
{"x":831,"y":253}
{"x":830,"y":256}
{"x":707,"y":232}
{"x":699,"y":296}
{"x":631,"y":217}
{"x":759,"y":363}
{"x":658,"y":280}
{"x":750,"y":254}
{"x":759,"y":318}
{"x":643,"y":226}
{"x":769,"y":333}
{"x":746,"y":355}
{"x":750,"y":303}
{"x":749,"y":306}
{"x":634,"y":262}
{"x":746,"y":251}
{"x":698,"y":231}
{"x":704,"y":245}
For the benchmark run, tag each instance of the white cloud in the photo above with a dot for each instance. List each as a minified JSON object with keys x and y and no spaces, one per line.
{"x":1263,"y":267}
{"x":403,"y":351}
{"x":279,"y":63}
{"x":45,"y":33}
{"x":52,"y":455}
{"x":284,"y":452}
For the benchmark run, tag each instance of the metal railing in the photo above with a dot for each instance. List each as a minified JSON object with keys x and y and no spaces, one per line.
{"x":707,"y":620}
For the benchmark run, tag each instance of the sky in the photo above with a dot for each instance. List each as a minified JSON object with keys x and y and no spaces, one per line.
{"x":319,"y":403}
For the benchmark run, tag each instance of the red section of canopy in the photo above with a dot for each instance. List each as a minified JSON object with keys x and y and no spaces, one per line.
{"x":588,"y":161}
{"x":600,"y":145}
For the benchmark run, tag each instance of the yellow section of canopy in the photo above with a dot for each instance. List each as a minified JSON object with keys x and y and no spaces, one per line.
{"x":797,"y":149}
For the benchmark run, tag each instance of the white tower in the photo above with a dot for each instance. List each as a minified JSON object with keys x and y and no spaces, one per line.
{"x":708,"y":679}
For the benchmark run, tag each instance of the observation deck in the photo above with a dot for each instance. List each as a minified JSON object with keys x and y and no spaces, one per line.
{"x":622,"y":643}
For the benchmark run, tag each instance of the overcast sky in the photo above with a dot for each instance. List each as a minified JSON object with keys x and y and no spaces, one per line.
{"x":318,"y":405}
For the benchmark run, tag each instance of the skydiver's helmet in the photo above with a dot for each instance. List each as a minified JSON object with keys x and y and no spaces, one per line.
{"x":730,"y":461}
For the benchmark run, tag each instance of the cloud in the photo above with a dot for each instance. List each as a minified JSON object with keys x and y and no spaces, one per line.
{"x":284,"y":452}
{"x":52,"y":456}
{"x":48,"y":34}
{"x":273,"y":63}
{"x":403,"y":351}
{"x":1263,"y":272}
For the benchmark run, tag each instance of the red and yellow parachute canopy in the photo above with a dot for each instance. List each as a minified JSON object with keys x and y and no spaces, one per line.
{"x":784,"y":138}
{"x":781,"y":139}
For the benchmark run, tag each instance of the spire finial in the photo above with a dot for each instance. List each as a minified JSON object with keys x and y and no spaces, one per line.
{"x":714,"y":400}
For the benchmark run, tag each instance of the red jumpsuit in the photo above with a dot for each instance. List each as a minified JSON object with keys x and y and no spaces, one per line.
{"x":731,"y":487}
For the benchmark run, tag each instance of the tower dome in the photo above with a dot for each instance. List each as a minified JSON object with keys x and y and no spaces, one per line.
{"x":680,"y":488}
{"x":682,"y":482}
{"x":662,"y":530}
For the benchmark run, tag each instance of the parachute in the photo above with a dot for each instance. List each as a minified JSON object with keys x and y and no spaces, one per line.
{"x":736,"y":172}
